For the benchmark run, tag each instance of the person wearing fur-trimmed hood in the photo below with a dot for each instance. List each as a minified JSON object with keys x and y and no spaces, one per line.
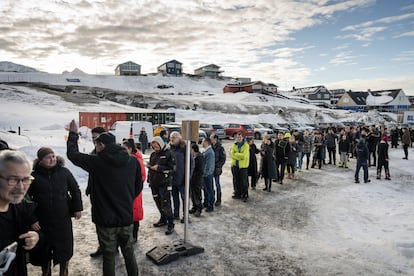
{"x":52,"y":189}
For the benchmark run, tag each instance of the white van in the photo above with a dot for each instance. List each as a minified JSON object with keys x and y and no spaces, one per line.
{"x":122,"y":129}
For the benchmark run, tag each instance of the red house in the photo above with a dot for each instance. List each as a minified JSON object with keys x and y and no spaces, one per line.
{"x":252,"y":87}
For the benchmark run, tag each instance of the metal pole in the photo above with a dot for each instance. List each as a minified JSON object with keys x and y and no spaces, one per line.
{"x":187,"y":178}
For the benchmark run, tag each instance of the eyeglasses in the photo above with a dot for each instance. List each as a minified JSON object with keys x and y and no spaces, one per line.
{"x":13,"y":180}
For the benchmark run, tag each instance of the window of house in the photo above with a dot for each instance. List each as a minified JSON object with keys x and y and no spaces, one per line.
{"x":319,"y":96}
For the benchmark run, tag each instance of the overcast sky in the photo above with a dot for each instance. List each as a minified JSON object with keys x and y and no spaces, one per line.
{"x":355,"y":44}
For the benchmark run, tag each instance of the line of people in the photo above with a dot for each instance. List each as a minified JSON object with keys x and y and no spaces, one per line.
{"x":166,"y":177}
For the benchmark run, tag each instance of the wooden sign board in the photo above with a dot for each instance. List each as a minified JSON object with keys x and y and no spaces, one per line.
{"x":189,"y":130}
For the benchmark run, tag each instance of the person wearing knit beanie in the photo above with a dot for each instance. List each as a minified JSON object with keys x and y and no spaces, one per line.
{"x":43,"y":151}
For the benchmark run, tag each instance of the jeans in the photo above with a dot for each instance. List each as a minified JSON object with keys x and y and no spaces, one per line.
{"x":300,"y":160}
{"x":177,"y":191}
{"x":208,"y":183}
{"x":364,"y":165}
{"x":109,"y":239}
{"x":218,"y":185}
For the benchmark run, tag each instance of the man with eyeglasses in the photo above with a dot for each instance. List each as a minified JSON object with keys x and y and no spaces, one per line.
{"x":16,"y":214}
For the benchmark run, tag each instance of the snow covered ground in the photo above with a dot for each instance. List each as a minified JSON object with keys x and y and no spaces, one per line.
{"x":320,"y":224}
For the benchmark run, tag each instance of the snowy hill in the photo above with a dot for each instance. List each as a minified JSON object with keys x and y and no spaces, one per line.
{"x":188,"y":97}
{"x":6,"y":66}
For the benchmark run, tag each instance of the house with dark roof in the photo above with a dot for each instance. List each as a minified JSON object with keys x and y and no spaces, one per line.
{"x":128,"y":68}
{"x":353,"y":101}
{"x":171,"y":68}
{"x":317,"y":95}
{"x":211,"y":71}
{"x":393,"y":100}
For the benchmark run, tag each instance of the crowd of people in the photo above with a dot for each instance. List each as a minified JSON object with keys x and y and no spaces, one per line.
{"x":39,"y":200}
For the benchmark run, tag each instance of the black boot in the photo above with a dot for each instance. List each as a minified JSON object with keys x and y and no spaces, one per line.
{"x":269,"y":189}
{"x":97,"y":253}
{"x":266,"y":184}
{"x":170,"y":229}
{"x":218,"y":201}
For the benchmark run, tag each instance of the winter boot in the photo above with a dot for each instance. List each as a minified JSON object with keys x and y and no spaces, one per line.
{"x":346,"y":165}
{"x":378,"y":174}
{"x":387,"y":175}
{"x":269,"y":188}
{"x":218,"y":201}
{"x":170,"y":229}
{"x":267,"y":184}
{"x":340,"y":164}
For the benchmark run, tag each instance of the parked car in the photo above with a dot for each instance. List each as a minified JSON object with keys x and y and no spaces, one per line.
{"x":232,"y":129}
{"x":213,"y":129}
{"x":275,"y":127}
{"x":260,"y":130}
{"x":302,"y":127}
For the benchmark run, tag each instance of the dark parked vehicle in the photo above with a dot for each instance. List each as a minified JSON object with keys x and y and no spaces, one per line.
{"x":275,"y":127}
{"x":232,"y":129}
{"x":213,"y":129}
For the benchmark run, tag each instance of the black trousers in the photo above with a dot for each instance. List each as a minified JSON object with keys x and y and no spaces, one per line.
{"x":240,"y":182}
{"x":162,"y":197}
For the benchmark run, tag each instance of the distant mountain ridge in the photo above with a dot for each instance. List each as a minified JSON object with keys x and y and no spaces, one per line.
{"x":7,"y":66}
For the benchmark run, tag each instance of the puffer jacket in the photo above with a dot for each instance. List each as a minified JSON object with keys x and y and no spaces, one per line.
{"x":50,"y":189}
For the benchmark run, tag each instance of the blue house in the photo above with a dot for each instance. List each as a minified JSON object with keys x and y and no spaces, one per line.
{"x":172,"y":67}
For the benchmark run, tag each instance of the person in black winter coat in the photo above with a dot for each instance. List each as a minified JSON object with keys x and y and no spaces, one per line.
{"x":383,"y":158}
{"x":220,"y":159}
{"x":57,"y":194}
{"x":268,"y":165}
{"x":394,"y":134}
{"x":160,"y":170}
{"x":117,"y":181}
{"x":196,"y":183}
{"x":318,"y":148}
{"x":344,"y":147}
{"x":143,"y":140}
{"x":362,"y":153}
{"x":252,"y":169}
{"x":331,"y":140}
{"x":282,"y":150}
{"x":178,"y":149}
{"x":16,"y":213}
{"x":373,"y":138}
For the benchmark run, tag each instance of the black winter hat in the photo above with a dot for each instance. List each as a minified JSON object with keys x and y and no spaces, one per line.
{"x":3,"y":145}
{"x":43,"y":151}
{"x":106,"y":138}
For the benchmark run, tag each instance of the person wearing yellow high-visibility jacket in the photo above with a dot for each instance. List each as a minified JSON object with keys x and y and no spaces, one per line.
{"x":240,"y":155}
